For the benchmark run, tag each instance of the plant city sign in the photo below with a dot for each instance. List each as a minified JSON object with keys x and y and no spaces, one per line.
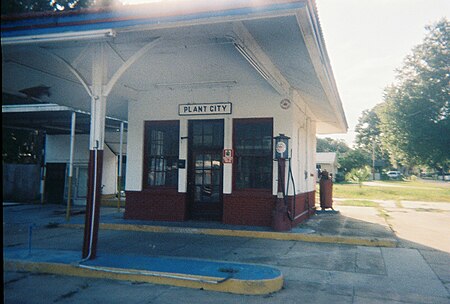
{"x":204,"y":109}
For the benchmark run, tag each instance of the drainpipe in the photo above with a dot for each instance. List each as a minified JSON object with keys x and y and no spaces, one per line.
{"x":72,"y":143}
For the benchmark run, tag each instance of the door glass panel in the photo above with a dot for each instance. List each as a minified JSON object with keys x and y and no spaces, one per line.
{"x":207,"y":140}
{"x":199,"y":177}
{"x":198,"y":193}
{"x":207,"y":161}
{"x":199,"y":161}
{"x":205,"y":177}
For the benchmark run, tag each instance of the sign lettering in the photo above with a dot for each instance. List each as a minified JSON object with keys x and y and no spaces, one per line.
{"x":205,"y":109}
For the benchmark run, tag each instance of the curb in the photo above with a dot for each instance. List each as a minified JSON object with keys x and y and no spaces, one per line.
{"x":285,"y":236}
{"x":227,"y":284}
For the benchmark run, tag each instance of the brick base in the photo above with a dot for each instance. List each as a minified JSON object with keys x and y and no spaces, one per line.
{"x":249,"y":208}
{"x":156,"y":205}
{"x":252,"y":207}
{"x":304,"y":207}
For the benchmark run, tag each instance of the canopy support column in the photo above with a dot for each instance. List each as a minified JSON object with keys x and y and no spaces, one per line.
{"x":96,"y":147}
{"x":119,"y":177}
{"x":72,"y":143}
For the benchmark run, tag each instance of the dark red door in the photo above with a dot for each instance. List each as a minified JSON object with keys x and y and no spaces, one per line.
{"x":205,"y":169}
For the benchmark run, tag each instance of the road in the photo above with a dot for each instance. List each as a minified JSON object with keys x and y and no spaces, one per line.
{"x":313,"y":272}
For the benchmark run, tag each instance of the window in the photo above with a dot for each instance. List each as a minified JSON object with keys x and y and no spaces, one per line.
{"x":253,"y":153}
{"x":161,"y":153}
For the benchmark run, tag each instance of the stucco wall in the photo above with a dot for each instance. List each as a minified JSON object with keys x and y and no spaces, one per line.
{"x":57,"y":150}
{"x":247,"y":102}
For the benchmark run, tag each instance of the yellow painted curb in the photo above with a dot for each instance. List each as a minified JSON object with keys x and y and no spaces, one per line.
{"x":286,"y":236}
{"x":236,"y":286}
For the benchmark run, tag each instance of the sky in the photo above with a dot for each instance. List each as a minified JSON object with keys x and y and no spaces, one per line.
{"x":366,"y":41}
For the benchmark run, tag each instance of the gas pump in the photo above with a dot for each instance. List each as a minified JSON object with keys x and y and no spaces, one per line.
{"x":281,"y":154}
{"x":280,"y":220}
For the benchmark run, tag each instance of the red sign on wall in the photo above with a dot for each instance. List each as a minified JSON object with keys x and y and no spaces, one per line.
{"x":228,"y":156}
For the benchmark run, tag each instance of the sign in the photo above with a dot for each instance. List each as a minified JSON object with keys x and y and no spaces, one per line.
{"x":204,"y":109}
{"x":181,"y":164}
{"x":228,"y":156}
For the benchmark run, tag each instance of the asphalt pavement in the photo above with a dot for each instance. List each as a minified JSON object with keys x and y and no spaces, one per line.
{"x":316,"y":268}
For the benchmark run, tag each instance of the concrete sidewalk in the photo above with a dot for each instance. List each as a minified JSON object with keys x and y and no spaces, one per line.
{"x":313,"y":272}
{"x":324,"y":227}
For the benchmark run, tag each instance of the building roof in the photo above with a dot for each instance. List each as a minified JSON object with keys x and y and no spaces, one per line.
{"x":164,"y":44}
{"x":326,"y":158}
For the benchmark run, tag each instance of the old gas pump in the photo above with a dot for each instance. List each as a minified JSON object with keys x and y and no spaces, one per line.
{"x":280,"y":220}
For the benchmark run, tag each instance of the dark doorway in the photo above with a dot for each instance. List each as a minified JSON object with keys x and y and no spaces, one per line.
{"x":54,"y":182}
{"x":205,"y":172}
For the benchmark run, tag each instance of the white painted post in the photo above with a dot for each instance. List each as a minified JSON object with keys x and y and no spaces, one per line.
{"x":119,"y":177}
{"x":72,"y":143}
{"x":96,"y":145}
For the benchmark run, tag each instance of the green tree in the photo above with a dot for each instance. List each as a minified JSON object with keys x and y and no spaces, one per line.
{"x":416,"y":118}
{"x":368,"y":136}
{"x":354,"y":159}
{"x":24,"y":6}
{"x":331,"y":145}
{"x":358,"y":175}
{"x":21,"y":146}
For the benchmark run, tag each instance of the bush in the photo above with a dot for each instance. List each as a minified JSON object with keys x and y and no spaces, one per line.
{"x":384,"y":176}
{"x":413,"y":178}
{"x":339,"y":178}
{"x":359,"y":175}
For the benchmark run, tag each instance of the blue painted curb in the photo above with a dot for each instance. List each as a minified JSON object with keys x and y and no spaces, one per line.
{"x":193,"y":273}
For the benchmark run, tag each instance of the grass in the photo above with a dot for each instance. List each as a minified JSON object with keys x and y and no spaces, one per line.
{"x":358,"y":203}
{"x":395,"y":190}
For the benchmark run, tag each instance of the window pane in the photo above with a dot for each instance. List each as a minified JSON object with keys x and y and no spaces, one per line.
{"x":253,"y":153}
{"x":162,"y":145}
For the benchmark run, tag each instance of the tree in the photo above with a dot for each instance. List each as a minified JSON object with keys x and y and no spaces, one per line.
{"x":368,"y":136}
{"x":354,"y":159}
{"x":23,"y":6}
{"x":21,"y":146}
{"x":416,"y":118}
{"x":331,"y":145}
{"x":359,"y":175}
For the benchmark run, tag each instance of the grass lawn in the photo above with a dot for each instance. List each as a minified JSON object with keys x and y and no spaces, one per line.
{"x":395,"y":190}
{"x":357,"y":203}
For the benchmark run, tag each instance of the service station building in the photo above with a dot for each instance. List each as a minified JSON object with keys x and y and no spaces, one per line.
{"x":223,"y":101}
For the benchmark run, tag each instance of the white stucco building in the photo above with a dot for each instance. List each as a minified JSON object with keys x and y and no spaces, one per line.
{"x":205,"y":88}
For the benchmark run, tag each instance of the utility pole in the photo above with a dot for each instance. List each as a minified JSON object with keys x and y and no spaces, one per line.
{"x":373,"y":159}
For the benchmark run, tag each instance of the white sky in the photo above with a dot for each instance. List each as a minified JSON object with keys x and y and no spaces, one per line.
{"x":367,"y":40}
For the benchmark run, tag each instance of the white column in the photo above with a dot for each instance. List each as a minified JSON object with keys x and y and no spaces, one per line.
{"x":72,"y":144}
{"x":98,"y":100}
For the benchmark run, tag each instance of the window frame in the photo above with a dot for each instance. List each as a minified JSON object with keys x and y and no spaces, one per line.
{"x":236,"y":153}
{"x":146,"y":151}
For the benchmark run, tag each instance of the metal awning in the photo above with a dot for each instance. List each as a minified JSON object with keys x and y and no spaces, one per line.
{"x":55,"y":119}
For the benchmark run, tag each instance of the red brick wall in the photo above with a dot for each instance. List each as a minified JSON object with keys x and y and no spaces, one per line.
{"x":156,"y":205}
{"x":250,"y":207}
{"x":302,"y":201}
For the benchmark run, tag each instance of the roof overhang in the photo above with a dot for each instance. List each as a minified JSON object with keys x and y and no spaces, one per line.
{"x":54,"y":119}
{"x":283,"y":38}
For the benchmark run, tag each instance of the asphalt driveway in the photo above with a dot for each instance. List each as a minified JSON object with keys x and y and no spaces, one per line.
{"x":313,"y":272}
